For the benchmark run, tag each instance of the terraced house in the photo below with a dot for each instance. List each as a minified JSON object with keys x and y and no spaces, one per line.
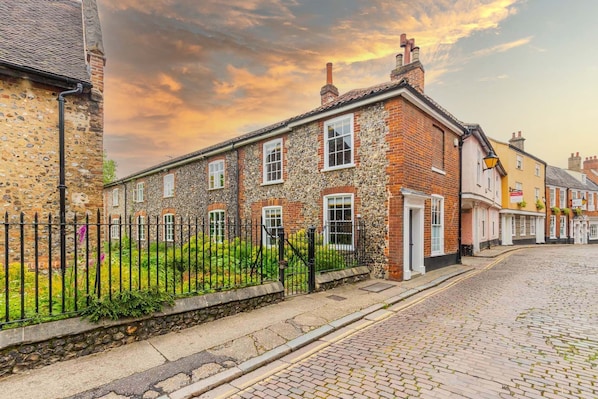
{"x":481,"y":201}
{"x":386,"y":155}
{"x":522,"y":218}
{"x":572,"y":216}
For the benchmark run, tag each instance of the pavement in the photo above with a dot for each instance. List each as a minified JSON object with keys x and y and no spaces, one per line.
{"x":219,"y":358}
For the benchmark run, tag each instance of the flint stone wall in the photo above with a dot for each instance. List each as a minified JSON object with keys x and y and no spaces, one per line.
{"x":43,"y":344}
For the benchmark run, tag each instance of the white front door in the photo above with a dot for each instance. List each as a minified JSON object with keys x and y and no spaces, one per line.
{"x":413,"y":233}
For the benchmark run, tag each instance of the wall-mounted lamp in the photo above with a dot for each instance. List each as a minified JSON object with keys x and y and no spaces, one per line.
{"x":490,"y":160}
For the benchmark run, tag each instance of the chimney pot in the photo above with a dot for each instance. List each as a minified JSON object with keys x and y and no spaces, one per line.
{"x":329,"y":73}
{"x":577,"y":154}
{"x":399,"y":60}
{"x":514,"y":137}
{"x":519,"y":134}
{"x":572,"y":155}
{"x":415,"y":52}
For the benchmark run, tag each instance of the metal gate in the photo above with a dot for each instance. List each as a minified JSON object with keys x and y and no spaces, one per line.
{"x":296,"y":262}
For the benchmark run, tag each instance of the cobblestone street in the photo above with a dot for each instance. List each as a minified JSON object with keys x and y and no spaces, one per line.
{"x":526,"y":328}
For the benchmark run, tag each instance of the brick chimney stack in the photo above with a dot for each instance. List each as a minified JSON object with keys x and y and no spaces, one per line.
{"x":408,"y":66}
{"x":329,"y":92}
{"x":575,"y":162}
{"x":517,"y":141}
{"x":590,"y":163}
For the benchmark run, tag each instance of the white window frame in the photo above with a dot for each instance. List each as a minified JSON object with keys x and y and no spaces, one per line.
{"x":536,"y":193}
{"x":532,"y":225}
{"x":168,"y":220}
{"x":552,"y":193}
{"x":591,"y":202}
{"x":563,"y":227}
{"x":594,"y":231}
{"x":217,"y":219}
{"x":351,"y":135}
{"x":513,"y":230}
{"x":138,"y":193}
{"x":552,"y":226}
{"x":519,"y":162}
{"x":329,"y":225}
{"x":216,"y":174}
{"x":272,"y":221}
{"x":537,"y":170}
{"x":115,"y":197}
{"x":168,"y":185}
{"x":437,"y":225}
{"x":483,"y":222}
{"x":479,"y":170}
{"x":272,"y":147}
{"x":115,"y":228}
{"x":562,"y":198}
{"x":522,"y":227}
{"x":140,"y":226}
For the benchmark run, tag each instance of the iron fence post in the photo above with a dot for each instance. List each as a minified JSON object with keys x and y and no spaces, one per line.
{"x":282,"y":264}
{"x":311,"y":259}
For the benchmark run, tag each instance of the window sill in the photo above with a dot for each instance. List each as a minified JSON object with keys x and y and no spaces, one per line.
{"x":272,"y":183}
{"x":215,"y":188}
{"x":439,"y":171}
{"x":348,"y":166}
{"x":434,"y":254}
{"x":168,"y":196}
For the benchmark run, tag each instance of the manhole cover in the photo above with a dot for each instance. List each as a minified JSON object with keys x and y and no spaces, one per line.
{"x":336,"y":297}
{"x":378,"y":287}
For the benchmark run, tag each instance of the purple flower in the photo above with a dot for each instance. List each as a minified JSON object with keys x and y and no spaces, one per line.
{"x":102,"y":256}
{"x":81,"y":233}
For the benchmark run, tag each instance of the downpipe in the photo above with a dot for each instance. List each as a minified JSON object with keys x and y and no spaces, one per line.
{"x":61,"y":167}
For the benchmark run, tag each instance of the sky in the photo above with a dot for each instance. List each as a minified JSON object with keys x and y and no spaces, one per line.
{"x":185,"y":74}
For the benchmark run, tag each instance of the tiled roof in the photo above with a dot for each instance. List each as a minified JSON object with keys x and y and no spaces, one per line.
{"x":347,"y":98}
{"x":44,"y":35}
{"x":560,"y":178}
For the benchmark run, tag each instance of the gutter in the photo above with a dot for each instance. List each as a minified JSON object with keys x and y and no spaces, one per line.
{"x":66,"y":82}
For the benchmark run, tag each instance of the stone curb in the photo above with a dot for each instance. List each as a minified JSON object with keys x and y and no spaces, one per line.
{"x":373,"y":313}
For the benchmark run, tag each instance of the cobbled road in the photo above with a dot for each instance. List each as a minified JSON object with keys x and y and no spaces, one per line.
{"x":525,"y":328}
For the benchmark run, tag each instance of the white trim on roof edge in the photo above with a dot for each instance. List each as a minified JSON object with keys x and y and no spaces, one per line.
{"x":455,"y":128}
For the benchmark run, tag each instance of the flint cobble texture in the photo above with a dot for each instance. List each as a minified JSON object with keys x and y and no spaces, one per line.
{"x":526,"y":328}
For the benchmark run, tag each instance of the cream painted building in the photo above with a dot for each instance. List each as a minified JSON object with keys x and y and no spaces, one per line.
{"x":523,"y":214}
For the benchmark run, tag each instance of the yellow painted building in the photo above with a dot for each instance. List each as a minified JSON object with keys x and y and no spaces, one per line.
{"x":523,"y":214}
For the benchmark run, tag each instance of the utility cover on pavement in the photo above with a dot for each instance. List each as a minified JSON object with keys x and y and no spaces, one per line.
{"x":378,"y":287}
{"x":336,"y":297}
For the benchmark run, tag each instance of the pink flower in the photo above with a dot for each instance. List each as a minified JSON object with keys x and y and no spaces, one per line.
{"x":81,"y":233}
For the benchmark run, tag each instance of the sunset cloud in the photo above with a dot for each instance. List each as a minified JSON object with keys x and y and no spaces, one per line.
{"x":183,"y":74}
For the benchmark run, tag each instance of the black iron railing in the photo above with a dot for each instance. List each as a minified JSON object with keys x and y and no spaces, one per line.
{"x":182,"y":256}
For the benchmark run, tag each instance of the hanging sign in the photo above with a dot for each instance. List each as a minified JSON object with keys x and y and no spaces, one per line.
{"x":516,"y":196}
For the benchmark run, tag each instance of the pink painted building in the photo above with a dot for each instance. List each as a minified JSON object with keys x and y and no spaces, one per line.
{"x":481,"y":194}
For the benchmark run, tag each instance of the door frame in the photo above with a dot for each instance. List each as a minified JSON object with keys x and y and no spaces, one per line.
{"x":414,"y":204}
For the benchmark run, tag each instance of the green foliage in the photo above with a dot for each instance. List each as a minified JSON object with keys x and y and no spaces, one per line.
{"x":109,"y":169}
{"x":127,"y":304}
{"x":522,"y":204}
{"x":556,"y":210}
{"x":539,"y":205}
{"x":566,"y":211}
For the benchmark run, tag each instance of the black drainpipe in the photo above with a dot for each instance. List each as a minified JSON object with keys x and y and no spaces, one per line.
{"x":61,"y":184}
